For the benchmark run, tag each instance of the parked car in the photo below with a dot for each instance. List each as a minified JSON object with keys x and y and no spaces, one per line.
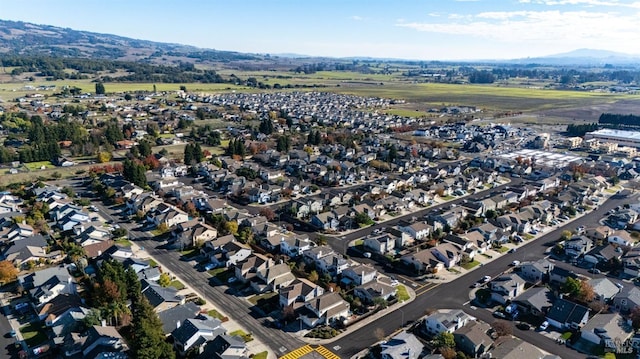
{"x":595,"y":271}
{"x":232,"y":280}
{"x":523,"y":326}
{"x":543,"y":326}
{"x":485,"y":279}
{"x":515,"y":263}
{"x":512,"y":250}
{"x":367,"y":254}
{"x":498,"y":314}
{"x":209,"y":266}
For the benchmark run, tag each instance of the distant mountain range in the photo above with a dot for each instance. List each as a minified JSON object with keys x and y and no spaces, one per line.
{"x":21,"y":38}
{"x":584,"y":57}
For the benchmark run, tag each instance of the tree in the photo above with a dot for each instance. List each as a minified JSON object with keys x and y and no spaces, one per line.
{"x":100,"y":88}
{"x":447,"y":353}
{"x":313,"y":276}
{"x":268,"y":213}
{"x":444,"y":339}
{"x":8,"y":272}
{"x":635,"y":317}
{"x":103,"y":156}
{"x":502,"y":328}
{"x":572,"y":287}
{"x":586,"y":292}
{"x":231,"y":227}
{"x":163,"y":228}
{"x":148,"y":339}
{"x":164,"y":280}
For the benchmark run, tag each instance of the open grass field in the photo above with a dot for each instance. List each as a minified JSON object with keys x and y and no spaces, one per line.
{"x":37,"y":166}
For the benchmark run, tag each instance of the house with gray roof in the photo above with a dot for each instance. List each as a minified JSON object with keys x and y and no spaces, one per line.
{"x":627,"y":299}
{"x":537,"y":271}
{"x":565,"y":314}
{"x":225,"y":347}
{"x":369,"y":291}
{"x":515,"y":348}
{"x":607,"y":330}
{"x":47,"y":284}
{"x":506,"y":287}
{"x":195,"y":332}
{"x":535,"y":301}
{"x":161,"y":298}
{"x":446,"y":320}
{"x":173,"y":317}
{"x":472,"y":339}
{"x":402,"y":346}
{"x":604,"y":289}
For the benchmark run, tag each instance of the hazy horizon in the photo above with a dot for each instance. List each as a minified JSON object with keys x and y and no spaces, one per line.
{"x":413,"y":30}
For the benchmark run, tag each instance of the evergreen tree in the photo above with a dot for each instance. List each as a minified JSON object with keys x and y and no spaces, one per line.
{"x":100,"y":88}
{"x":317,"y":138}
{"x":144,"y":148}
{"x":189,"y":155}
{"x":148,"y":341}
{"x":197,"y":153}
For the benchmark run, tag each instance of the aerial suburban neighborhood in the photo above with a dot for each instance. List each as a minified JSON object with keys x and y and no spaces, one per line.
{"x":162,"y":202}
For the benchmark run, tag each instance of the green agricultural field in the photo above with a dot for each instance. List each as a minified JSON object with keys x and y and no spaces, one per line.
{"x":37,"y":166}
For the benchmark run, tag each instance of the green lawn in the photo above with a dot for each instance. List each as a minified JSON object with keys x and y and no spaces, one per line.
{"x":176,"y":284}
{"x":33,"y":333}
{"x":359,"y":242}
{"x":453,"y":270}
{"x":123,"y":242}
{"x":34,"y":166}
{"x":215,"y":314}
{"x":501,"y":249}
{"x":266,"y":296}
{"x":403,"y":295}
{"x":153,"y":263}
{"x":566,"y":335}
{"x":190,"y":253}
{"x":261,"y":355}
{"x":470,"y":265}
{"x":245,"y":336}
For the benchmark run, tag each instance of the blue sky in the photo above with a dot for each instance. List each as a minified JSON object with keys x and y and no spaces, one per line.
{"x":409,"y":29}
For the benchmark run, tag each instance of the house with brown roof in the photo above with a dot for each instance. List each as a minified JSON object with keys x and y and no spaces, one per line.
{"x":272,"y":278}
{"x":473,"y":339}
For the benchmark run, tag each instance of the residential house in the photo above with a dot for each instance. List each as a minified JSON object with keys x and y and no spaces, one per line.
{"x":195,"y":332}
{"x":299,"y":291}
{"x":627,"y":299}
{"x":417,"y":230}
{"x":171,"y":217}
{"x":295,"y":246}
{"x":537,"y":271}
{"x":446,"y":320}
{"x":325,"y":309}
{"x":510,"y":347}
{"x":604,"y":254}
{"x":598,"y":233}
{"x":604,"y":289}
{"x":246,"y":269}
{"x":565,"y":314}
{"x":506,"y":287}
{"x":161,"y":298}
{"x":447,"y":253}
{"x":560,"y":275}
{"x":607,"y":329}
{"x":231,"y":253}
{"x":29,"y":249}
{"x":225,"y":347}
{"x":272,"y":278}
{"x":360,"y":274}
{"x":621,"y":238}
{"x":46,"y":284}
{"x":380,"y":243}
{"x":535,"y":301}
{"x":173,"y":317}
{"x":423,"y":261}
{"x":578,"y":246}
{"x":100,"y":340}
{"x":325,"y":221}
{"x":373,"y":290}
{"x":403,"y":345}
{"x":473,"y":339}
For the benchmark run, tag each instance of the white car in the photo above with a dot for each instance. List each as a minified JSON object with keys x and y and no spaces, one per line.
{"x":367,"y":254}
{"x":515,"y":263}
{"x":543,"y":326}
{"x":486,"y":278}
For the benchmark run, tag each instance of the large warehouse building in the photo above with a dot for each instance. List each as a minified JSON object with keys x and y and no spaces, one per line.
{"x":622,"y":138}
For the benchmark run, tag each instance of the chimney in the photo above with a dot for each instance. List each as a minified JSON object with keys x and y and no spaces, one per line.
{"x":103,"y":322}
{"x":177,"y":324}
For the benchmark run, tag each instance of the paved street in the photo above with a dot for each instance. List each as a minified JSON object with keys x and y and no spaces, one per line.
{"x":455,"y":294}
{"x":237,"y":308}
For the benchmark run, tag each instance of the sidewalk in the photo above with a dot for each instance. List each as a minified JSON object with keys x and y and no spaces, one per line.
{"x":255,"y":346}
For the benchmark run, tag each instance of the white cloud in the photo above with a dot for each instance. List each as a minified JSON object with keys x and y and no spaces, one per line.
{"x":571,"y":29}
{"x":356,"y":18}
{"x":588,"y":3}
